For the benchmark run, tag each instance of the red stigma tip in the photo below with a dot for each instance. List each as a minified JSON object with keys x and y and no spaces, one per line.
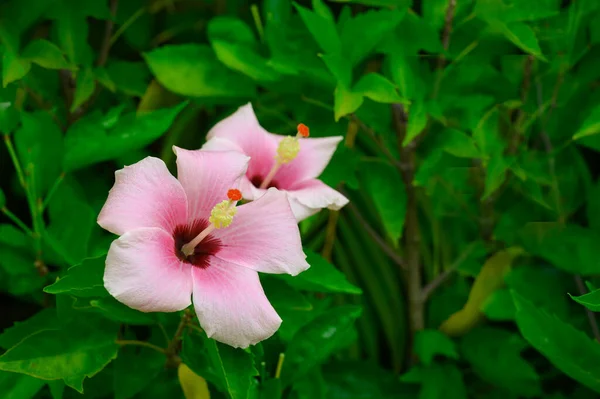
{"x":303,"y":130}
{"x":234,"y":194}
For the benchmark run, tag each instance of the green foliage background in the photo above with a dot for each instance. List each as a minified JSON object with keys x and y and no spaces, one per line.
{"x":465,"y":265}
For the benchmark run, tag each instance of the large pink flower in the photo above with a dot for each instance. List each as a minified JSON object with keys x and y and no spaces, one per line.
{"x":307,"y":195}
{"x":155,"y":214}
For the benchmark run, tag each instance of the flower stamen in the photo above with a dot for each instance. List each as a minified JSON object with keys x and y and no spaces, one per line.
{"x":287,"y":151}
{"x":220,"y":216}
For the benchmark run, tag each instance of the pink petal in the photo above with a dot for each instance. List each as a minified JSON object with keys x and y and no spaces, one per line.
{"x":243,"y":131}
{"x":206,"y":176}
{"x":143,"y":272}
{"x":308,"y":197}
{"x":145,"y":194}
{"x":231,"y":304}
{"x":314,"y":155}
{"x":264,"y":237}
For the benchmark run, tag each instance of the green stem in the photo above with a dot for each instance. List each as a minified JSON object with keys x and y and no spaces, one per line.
{"x":52,"y":190}
{"x":16,"y":221}
{"x":126,"y":25}
{"x":257,"y":21}
{"x":15,"y":160}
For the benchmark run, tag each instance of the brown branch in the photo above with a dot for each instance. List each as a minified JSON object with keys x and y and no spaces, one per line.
{"x":389,"y":251}
{"x":591,"y":315}
{"x":412,"y":236}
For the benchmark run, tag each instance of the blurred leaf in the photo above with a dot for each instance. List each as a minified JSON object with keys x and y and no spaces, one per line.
{"x":321,"y":26}
{"x":87,"y":142}
{"x":194,"y":386}
{"x":322,"y":276}
{"x":234,"y":366}
{"x":13,"y":68}
{"x":134,"y":369}
{"x":2,"y":199}
{"x":591,"y":300}
{"x":283,"y":296}
{"x":429,"y":343}
{"x":37,"y":137}
{"x":378,"y":88}
{"x":490,"y":279}
{"x":84,"y":87}
{"x":593,"y":207}
{"x":459,"y":144}
{"x":570,"y":350}
{"x":417,"y":120}
{"x":438,"y":381}
{"x":83,"y":280}
{"x":240,"y":58}
{"x":495,"y":174}
{"x":315,"y":342}
{"x":345,"y":102}
{"x":402,"y":4}
{"x":193,"y":70}
{"x":19,"y":386}
{"x":361,"y":379}
{"x":495,"y":356}
{"x":385,"y":186}
{"x":46,"y":54}
{"x":590,"y":126}
{"x":360,"y":34}
{"x":71,"y":354}
{"x":9,"y":117}
{"x":339,"y":67}
{"x":230,"y":29}
{"x":132,"y":78}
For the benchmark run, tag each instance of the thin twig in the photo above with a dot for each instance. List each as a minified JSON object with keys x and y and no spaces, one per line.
{"x":185,"y":318}
{"x":371,"y":133}
{"x":591,"y":315}
{"x":390,"y":252}
{"x":442,"y":277}
{"x":106,"y":42}
{"x":446,"y":34}
{"x":124,"y":342}
{"x":16,"y":221}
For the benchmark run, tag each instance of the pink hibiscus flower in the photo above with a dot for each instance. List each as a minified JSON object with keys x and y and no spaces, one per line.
{"x":184,"y":239}
{"x":288,"y":163}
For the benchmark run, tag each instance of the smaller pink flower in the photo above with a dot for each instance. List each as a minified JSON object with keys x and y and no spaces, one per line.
{"x":184,"y":239}
{"x":290,"y":164}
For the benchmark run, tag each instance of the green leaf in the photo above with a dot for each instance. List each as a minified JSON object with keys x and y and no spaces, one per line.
{"x":517,"y":10}
{"x":458,"y":144}
{"x":590,"y":125}
{"x":72,"y":221}
{"x":378,"y":88}
{"x":230,"y":29}
{"x":240,"y":58}
{"x":41,"y":321}
{"x":13,"y":68}
{"x":417,"y":121}
{"x":112,"y":309}
{"x":591,"y":300}
{"x":495,"y":356}
{"x":384,"y":184}
{"x":193,"y":386}
{"x":361,"y":34}
{"x":522,"y":36}
{"x":402,"y":4}
{"x":429,"y":343}
{"x":404,"y":70}
{"x":79,"y":350}
{"x":84,"y":87}
{"x":316,"y":341}
{"x":46,"y":54}
{"x":282,"y":296}
{"x":37,"y":137}
{"x":593,"y":207}
{"x":2,"y":199}
{"x":234,"y":366}
{"x":345,"y":102}
{"x":84,"y":280}
{"x":438,"y":381}
{"x":322,"y":28}
{"x":134,"y":369}
{"x":9,"y":117}
{"x":495,"y":175}
{"x":71,"y":33}
{"x":339,"y":67}
{"x":132,"y":78}
{"x":88,"y":143}
{"x":19,"y":386}
{"x":322,"y":276}
{"x":193,"y":70}
{"x":568,"y":349}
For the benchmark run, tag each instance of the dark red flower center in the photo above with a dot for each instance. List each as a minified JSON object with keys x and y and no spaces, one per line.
{"x":257,"y":181}
{"x":206,"y":248}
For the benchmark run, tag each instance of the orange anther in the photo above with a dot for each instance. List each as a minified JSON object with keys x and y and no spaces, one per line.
{"x":234,"y":194}
{"x":303,"y":130}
